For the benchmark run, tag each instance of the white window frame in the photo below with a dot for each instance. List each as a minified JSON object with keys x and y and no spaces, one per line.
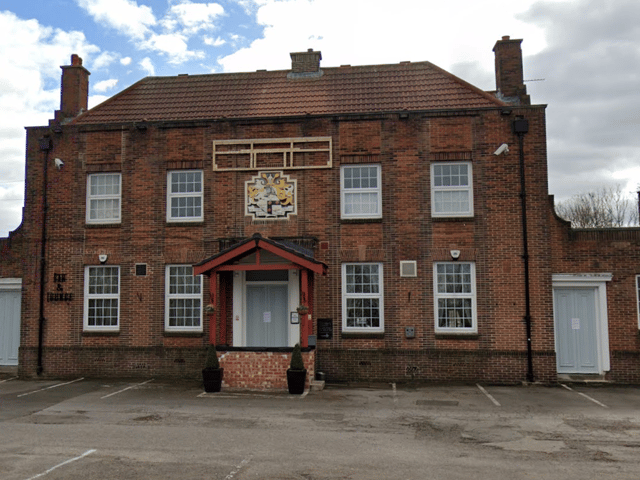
{"x":638,"y":297}
{"x":181,"y":296}
{"x":117,"y":218}
{"x":379,"y":296}
{"x":345,"y":192}
{"x":455,"y":188}
{"x":177,"y":195}
{"x":454,"y":295}
{"x":88,"y":297}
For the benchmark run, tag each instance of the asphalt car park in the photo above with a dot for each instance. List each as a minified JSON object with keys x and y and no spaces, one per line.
{"x":82,"y":428}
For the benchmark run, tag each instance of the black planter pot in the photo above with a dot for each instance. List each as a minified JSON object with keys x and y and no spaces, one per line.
{"x":212,"y":379}
{"x":296,"y":380}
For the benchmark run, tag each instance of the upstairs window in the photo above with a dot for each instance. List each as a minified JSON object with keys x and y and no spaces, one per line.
{"x":451,"y":189}
{"x":184,"y":196}
{"x":360,"y":190}
{"x":103,"y":198}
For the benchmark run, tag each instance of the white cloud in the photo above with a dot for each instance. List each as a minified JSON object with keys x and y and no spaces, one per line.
{"x":174,"y":46}
{"x":214,"y":42}
{"x":97,"y":100}
{"x":105,"y":85}
{"x":365,"y":33}
{"x":190,"y":18}
{"x":126,"y":16}
{"x":125,"y":61}
{"x":147,"y":66}
{"x":103,"y":60}
{"x":251,"y":6}
{"x":30,"y":55}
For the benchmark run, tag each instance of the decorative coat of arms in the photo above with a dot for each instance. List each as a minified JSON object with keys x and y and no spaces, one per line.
{"x":270,"y":195}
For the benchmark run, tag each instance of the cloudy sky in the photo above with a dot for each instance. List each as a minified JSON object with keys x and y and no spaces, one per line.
{"x":581,"y":57}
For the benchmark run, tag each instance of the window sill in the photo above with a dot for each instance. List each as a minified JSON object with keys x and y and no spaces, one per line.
{"x":360,"y":220}
{"x":100,"y":333}
{"x":184,"y":223}
{"x":457,"y":336}
{"x":169,"y":333}
{"x":366,"y":335}
{"x":453,"y":219}
{"x":103,"y":225}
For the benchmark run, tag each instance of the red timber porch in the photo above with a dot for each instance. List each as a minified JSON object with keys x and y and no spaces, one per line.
{"x":260,"y":306}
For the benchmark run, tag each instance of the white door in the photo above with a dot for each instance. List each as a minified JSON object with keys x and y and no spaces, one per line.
{"x":576,"y":329}
{"x":267,"y":315}
{"x":9,"y":326}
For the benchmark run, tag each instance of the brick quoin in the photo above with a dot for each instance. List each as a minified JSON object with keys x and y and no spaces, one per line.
{"x":404,"y":143}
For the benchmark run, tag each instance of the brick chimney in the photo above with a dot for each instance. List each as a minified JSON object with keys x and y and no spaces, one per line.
{"x":305,"y":64}
{"x":74,"y":91}
{"x":509,"y":78}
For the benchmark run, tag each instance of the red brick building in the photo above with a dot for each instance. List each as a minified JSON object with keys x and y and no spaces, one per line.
{"x":388,"y":200}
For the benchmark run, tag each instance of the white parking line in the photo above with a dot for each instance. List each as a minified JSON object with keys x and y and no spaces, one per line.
{"x":88,"y":452}
{"x":8,"y":379}
{"x":237,"y":469}
{"x":52,"y":386}
{"x":395,"y":393}
{"x":585,"y":396}
{"x":495,"y":402}
{"x":125,"y":389}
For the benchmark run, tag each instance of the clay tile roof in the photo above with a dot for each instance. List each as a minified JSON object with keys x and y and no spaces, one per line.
{"x":341,"y":90}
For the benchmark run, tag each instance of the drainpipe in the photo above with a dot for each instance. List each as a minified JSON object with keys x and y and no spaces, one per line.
{"x":45,"y":146}
{"x":520,"y":128}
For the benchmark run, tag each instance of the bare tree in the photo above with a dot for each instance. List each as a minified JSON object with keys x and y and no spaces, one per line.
{"x":608,"y":207}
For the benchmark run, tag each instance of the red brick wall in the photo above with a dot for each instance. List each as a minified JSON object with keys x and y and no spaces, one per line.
{"x":261,"y":370}
{"x":615,"y":251}
{"x":404,"y":147}
{"x":245,"y":370}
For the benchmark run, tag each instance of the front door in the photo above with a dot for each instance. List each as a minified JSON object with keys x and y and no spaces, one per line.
{"x":9,"y":326}
{"x":267,"y":315}
{"x":576,"y":330}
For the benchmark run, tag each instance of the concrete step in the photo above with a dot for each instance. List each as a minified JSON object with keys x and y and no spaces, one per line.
{"x":582,"y":378}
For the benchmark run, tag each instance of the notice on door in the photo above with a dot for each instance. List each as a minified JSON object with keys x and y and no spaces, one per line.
{"x":575,"y":324}
{"x":266,"y":317}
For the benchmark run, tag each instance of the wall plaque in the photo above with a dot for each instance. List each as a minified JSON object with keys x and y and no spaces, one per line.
{"x":270,"y":195}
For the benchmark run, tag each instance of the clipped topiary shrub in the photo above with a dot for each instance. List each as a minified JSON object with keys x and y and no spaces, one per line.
{"x":296,"y":359}
{"x":212,"y":358}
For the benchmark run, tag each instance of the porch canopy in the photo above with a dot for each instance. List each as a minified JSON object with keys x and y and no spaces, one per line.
{"x":255,"y":254}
